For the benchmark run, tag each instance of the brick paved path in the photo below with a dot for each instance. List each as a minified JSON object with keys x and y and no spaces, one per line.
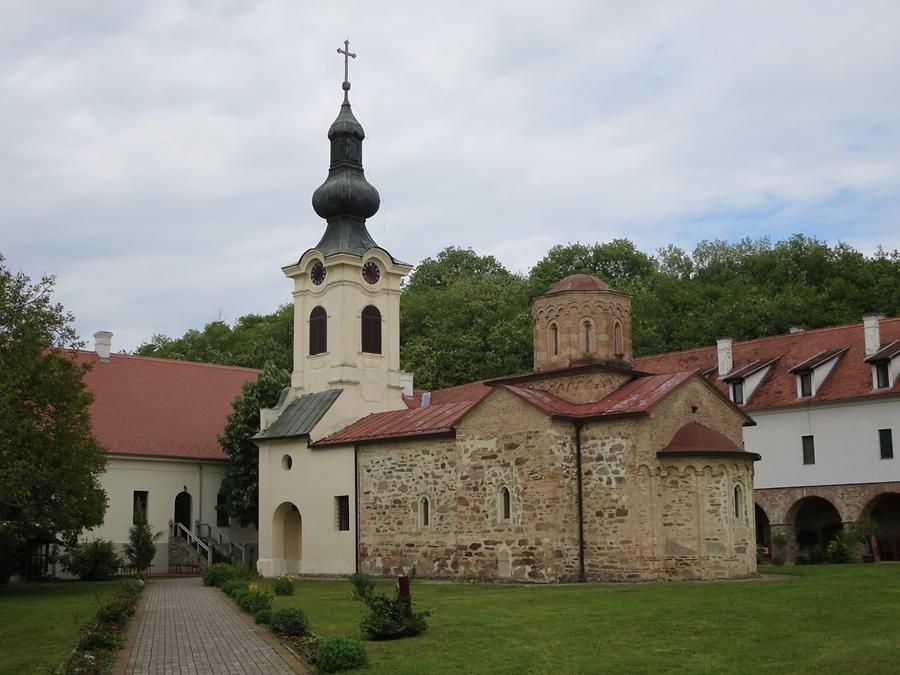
{"x":188,"y":628}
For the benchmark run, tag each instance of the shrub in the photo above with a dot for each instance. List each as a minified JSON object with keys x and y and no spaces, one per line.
{"x":218,"y":573}
{"x":252,"y":602}
{"x":284,"y":585}
{"x":98,"y":636}
{"x":290,"y":622}
{"x":118,"y":611}
{"x":263,"y":617}
{"x":340,"y":653}
{"x":363,"y":586}
{"x":840,"y":548}
{"x":141,"y":546}
{"x":131,"y":588}
{"x":387,"y":619}
{"x":92,"y":560}
{"x":234,"y":587}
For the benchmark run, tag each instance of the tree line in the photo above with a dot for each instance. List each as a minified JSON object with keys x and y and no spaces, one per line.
{"x":465,"y":317}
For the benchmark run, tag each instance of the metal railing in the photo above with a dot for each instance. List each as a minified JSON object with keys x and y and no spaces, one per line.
{"x":195,"y":542}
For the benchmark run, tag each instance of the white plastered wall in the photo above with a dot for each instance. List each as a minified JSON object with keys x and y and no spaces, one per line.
{"x":846,"y":443}
{"x":163,"y":479}
{"x":314,"y":479}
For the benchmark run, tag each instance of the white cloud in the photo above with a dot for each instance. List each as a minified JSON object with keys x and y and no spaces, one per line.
{"x":160,"y":157}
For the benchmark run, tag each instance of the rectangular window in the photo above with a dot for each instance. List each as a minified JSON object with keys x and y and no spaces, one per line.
{"x":882,"y":376}
{"x":737,"y":392}
{"x":805,"y":385}
{"x":139,"y":506}
{"x":221,"y":515}
{"x":886,"y":441}
{"x":342,"y":512}
{"x":809,"y":450}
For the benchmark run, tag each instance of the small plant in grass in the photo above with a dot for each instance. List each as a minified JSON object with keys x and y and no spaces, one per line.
{"x":218,"y":573}
{"x":234,"y":587}
{"x":263,"y":617}
{"x":284,"y":585}
{"x":340,"y":653}
{"x":390,"y":618}
{"x":252,"y":602}
{"x":363,"y":586}
{"x":290,"y":622}
{"x":92,"y":560}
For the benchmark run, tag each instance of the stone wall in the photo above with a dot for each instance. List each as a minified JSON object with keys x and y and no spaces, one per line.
{"x":584,"y":387}
{"x":644,"y":519}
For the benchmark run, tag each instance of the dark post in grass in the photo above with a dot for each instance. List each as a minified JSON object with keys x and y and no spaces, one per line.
{"x":403,"y":586}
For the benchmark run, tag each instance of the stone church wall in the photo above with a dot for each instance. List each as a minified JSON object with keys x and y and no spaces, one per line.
{"x":504,"y":442}
{"x":643,"y":518}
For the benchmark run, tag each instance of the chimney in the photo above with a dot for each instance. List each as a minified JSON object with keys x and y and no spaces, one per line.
{"x":873,"y":334}
{"x":103,"y":344}
{"x":797,"y":329}
{"x":726,"y":360}
{"x":406,"y":384}
{"x":426,"y":400}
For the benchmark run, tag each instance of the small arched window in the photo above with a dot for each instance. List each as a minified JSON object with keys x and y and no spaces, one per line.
{"x":587,"y":336}
{"x":618,"y":340}
{"x":554,"y":339}
{"x":738,"y":503}
{"x":505,"y":503}
{"x":318,"y":331}
{"x":424,"y":515}
{"x":371,"y":330}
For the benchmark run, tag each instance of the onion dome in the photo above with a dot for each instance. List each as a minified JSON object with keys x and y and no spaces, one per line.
{"x":346,"y":198}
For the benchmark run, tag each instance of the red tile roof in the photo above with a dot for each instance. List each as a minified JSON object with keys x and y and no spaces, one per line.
{"x":634,"y":397}
{"x":150,"y":406}
{"x":428,"y":421}
{"x":472,"y":392}
{"x":579,"y":282}
{"x":695,"y":438}
{"x":850,"y":378}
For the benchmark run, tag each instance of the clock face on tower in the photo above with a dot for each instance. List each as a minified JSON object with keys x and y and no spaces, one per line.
{"x":317,"y":274}
{"x":371,"y":273}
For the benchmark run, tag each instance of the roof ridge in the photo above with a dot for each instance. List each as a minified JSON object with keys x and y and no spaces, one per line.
{"x":765,"y":338}
{"x":160,"y":359}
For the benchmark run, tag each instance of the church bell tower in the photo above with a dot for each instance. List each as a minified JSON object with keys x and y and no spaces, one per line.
{"x":347,"y":289}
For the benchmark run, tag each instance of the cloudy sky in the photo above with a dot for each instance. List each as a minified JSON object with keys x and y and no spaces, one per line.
{"x":159,"y":157}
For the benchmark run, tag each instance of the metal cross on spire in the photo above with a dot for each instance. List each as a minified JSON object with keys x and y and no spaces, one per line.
{"x":347,"y":56}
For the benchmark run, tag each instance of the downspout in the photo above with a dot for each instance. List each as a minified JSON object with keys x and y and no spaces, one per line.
{"x":356,"y":503}
{"x":581,"y":575}
{"x":200,"y":505}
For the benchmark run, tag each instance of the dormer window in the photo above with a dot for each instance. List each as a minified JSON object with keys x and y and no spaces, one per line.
{"x":806,"y":384}
{"x":746,"y":379}
{"x":882,"y":375}
{"x":737,"y":392}
{"x":812,"y":373}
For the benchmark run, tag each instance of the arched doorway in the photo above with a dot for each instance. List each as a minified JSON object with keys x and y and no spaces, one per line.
{"x":287,"y":536}
{"x":885,"y":510}
{"x":763,"y":533}
{"x":183,"y":509}
{"x":816,"y":522}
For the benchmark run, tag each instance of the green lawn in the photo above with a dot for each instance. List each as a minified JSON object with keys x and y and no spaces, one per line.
{"x":822,"y":619}
{"x":39,"y":621}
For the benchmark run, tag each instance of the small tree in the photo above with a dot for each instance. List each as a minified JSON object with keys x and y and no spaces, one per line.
{"x":141,"y":546}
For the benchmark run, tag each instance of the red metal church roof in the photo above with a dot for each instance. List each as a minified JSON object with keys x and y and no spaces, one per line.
{"x":160,"y":407}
